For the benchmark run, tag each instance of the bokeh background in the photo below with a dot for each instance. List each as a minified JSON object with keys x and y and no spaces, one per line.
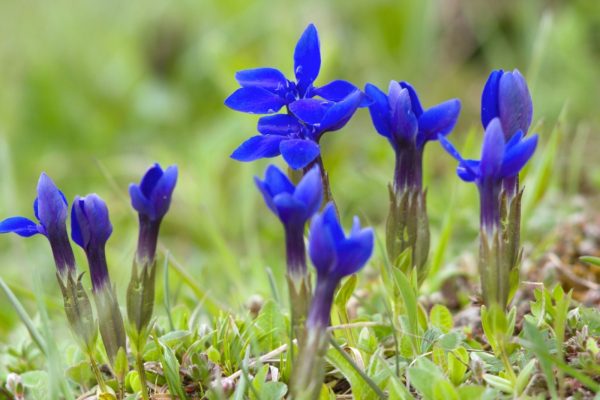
{"x":93,"y":92}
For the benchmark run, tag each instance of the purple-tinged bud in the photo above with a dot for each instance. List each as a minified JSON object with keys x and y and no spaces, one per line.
{"x":506,"y":96}
{"x":90,"y":229}
{"x":151,"y":199}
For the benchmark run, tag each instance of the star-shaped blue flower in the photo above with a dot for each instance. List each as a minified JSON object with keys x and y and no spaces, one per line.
{"x":296,"y":137}
{"x":267,"y":90}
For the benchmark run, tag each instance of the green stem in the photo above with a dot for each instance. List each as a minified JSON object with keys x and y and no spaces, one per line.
{"x":97,"y":374}
{"x":139,"y":365}
{"x":507,"y":365}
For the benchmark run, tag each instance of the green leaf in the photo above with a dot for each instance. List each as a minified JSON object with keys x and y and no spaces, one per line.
{"x":443,"y":390}
{"x":170,"y":367}
{"x":270,"y":326}
{"x":441,"y":318}
{"x":524,"y":376}
{"x":36,"y":382}
{"x":499,"y":383}
{"x":458,"y":360}
{"x":591,"y":260}
{"x":423,"y":377}
{"x":81,"y":373}
{"x":360,"y":389}
{"x":410,"y":306}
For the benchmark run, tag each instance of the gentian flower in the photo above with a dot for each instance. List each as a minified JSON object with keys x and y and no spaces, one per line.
{"x":296,"y":136}
{"x":151,"y":199}
{"x":399,"y":117}
{"x":334,"y":255}
{"x":294,"y":205}
{"x":90,"y":229}
{"x":50,"y":208}
{"x":267,"y":90}
{"x":506,"y":96}
{"x":499,"y":160}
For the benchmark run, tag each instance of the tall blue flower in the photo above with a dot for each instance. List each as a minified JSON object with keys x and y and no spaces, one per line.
{"x":90,"y":229}
{"x":499,"y":160}
{"x":399,"y":117}
{"x":151,"y":199}
{"x":267,"y":90}
{"x":334,"y":255}
{"x":506,"y":96}
{"x":294,"y":205}
{"x":50,"y":208}
{"x":295,"y":136}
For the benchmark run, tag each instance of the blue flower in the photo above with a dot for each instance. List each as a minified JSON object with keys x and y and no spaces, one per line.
{"x":334,"y":255}
{"x":50,"y":208}
{"x":90,"y":229}
{"x":267,"y":90}
{"x":506,"y":96}
{"x":152,"y":197}
{"x":499,"y":160}
{"x":400,"y":118}
{"x":293,"y":205}
{"x":296,"y":137}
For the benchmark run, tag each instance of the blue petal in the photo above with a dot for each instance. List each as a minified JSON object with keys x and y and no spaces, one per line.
{"x":450,"y":149}
{"x":414,"y":98}
{"x":279,"y":124}
{"x":76,"y":229}
{"x":277,"y":181}
{"x":492,"y":150}
{"x":489,"y":98}
{"x":270,"y":79}
{"x":310,"y":191}
{"x":404,"y":121}
{"x":291,"y":211}
{"x":298,"y":153}
{"x":379,"y":110}
{"x":307,"y":58}
{"x":321,"y":245}
{"x":267,"y":196}
{"x":468,"y":170}
{"x":311,"y":111}
{"x":340,"y":113}
{"x":335,"y":91}
{"x":163,"y":191}
{"x":52,"y":208}
{"x":139,"y":202}
{"x":438,"y":120}
{"x":262,"y":146}
{"x":517,"y":156}
{"x":150,"y":179}
{"x":514,"y":103}
{"x":255,"y":100}
{"x":514,"y":140}
{"x":330,"y":219}
{"x":20,"y":225}
{"x":354,"y":252}
{"x":90,"y":221}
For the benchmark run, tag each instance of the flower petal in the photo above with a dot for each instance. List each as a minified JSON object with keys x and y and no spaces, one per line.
{"x":311,"y":111}
{"x":310,"y":191}
{"x":489,"y":98}
{"x":262,"y":146}
{"x":404,"y":121}
{"x":438,"y":120}
{"x":307,"y":58}
{"x":492,"y":151}
{"x":291,"y":211}
{"x":467,"y":170}
{"x":335,"y":91}
{"x":354,"y":252}
{"x":277,"y":181}
{"x":51,"y":206}
{"x":340,"y":113}
{"x":150,"y":179}
{"x":414,"y":98}
{"x":379,"y":110}
{"x":298,"y":153}
{"x":255,"y":100}
{"x":163,"y":191}
{"x":514,"y":103}
{"x":321,"y":245}
{"x":20,"y":225}
{"x":140,"y":202}
{"x":517,"y":156}
{"x":279,"y":124}
{"x":270,"y":79}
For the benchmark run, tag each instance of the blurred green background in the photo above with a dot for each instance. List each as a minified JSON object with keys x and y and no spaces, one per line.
{"x":93,"y":92}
